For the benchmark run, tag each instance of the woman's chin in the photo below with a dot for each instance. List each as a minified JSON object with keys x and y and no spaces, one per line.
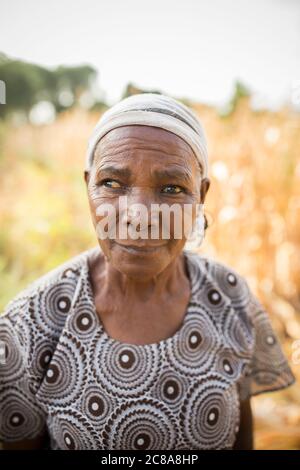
{"x":136,"y":263}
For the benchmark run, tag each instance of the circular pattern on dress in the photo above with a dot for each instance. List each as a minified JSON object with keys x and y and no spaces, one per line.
{"x":209,"y":414}
{"x":232,"y":284}
{"x":53,"y":305}
{"x":192,"y":351}
{"x":139,"y":425}
{"x":20,"y":417}
{"x":42,"y":355}
{"x":267,"y":345}
{"x":72,"y":431}
{"x":266,"y":341}
{"x":70,"y":272}
{"x":170,"y":388}
{"x":12,"y":360}
{"x":66,"y":375}
{"x":96,"y":405}
{"x":237,"y":334}
{"x":229,"y":366}
{"x":26,"y":334}
{"x":212,"y":298}
{"x":83,"y":322}
{"x":125,"y":370}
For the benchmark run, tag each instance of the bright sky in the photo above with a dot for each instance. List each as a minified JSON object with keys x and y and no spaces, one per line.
{"x":188,"y":48}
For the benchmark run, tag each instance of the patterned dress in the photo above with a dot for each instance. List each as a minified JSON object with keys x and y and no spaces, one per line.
{"x":61,"y":372}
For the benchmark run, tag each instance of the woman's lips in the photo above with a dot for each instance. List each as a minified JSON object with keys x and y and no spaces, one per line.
{"x":140,"y":248}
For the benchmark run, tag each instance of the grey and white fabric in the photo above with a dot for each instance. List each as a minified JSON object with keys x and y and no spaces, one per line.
{"x":64,"y":374}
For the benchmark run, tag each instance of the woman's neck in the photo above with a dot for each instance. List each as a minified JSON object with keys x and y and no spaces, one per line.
{"x":109,"y":282}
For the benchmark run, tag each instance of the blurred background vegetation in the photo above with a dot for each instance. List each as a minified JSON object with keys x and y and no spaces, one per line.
{"x":253,"y":205}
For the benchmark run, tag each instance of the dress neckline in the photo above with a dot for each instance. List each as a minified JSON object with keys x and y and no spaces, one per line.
{"x":191,"y":264}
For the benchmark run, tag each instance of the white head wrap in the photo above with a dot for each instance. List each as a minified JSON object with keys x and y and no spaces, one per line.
{"x":153,"y":109}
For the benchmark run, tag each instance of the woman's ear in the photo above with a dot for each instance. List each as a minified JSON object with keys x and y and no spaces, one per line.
{"x":205,"y":184}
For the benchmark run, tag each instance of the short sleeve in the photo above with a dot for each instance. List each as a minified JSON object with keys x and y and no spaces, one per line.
{"x":268,"y":368}
{"x":20,"y":415}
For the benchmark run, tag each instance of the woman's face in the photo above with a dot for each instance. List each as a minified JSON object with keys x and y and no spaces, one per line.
{"x":148,"y":165}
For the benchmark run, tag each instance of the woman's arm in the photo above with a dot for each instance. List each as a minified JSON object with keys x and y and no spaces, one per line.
{"x":244,"y":438}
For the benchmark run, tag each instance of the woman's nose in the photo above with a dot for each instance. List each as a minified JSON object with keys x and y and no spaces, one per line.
{"x":142,"y":198}
{"x":140,"y":209}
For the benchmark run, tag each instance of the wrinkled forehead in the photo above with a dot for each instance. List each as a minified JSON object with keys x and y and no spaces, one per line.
{"x":129,"y":138}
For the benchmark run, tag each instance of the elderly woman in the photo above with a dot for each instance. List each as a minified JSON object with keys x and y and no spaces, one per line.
{"x":138,"y":343}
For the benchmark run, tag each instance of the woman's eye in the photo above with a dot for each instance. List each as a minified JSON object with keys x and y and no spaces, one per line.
{"x":111,"y":184}
{"x":172,"y":189}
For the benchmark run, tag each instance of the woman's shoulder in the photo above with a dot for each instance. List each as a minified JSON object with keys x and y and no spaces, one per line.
{"x":224,"y":277}
{"x":33,"y":322}
{"x":223,"y":292}
{"x":48,"y":297}
{"x":244,"y":324}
